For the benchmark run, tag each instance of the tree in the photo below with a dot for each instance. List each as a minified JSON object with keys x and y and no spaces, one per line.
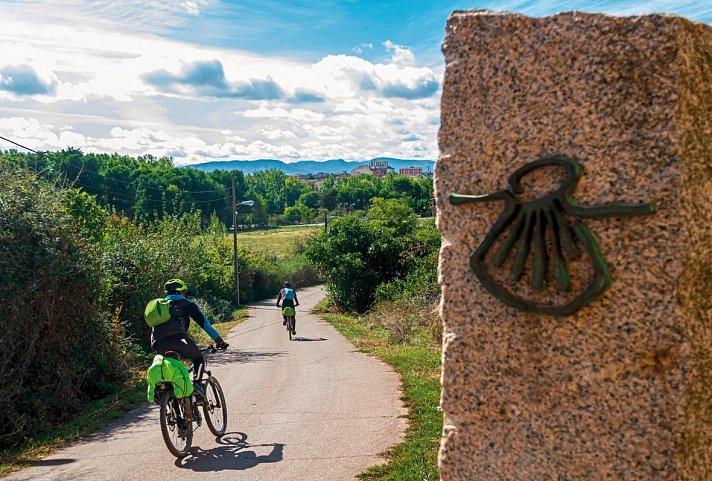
{"x":354,"y":257}
{"x":298,"y":213}
{"x":310,"y":199}
{"x":392,"y":214}
{"x":293,"y":190}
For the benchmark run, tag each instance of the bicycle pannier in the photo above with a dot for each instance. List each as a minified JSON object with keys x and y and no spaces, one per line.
{"x":167,"y":369}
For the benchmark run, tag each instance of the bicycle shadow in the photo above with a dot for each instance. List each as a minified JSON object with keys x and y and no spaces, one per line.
{"x":231,"y":455}
{"x":308,"y":339}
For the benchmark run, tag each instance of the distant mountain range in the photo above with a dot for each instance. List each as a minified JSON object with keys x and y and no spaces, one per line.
{"x":334,"y":166}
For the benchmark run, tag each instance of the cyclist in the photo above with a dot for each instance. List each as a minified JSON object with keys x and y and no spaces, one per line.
{"x":288,"y":296}
{"x":172,"y":335}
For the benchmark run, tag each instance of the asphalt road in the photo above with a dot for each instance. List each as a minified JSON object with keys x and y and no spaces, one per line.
{"x":309,"y":409}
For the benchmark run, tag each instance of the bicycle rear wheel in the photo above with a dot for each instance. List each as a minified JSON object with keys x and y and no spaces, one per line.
{"x":290,"y":326}
{"x":214,"y":407}
{"x":177,"y":431}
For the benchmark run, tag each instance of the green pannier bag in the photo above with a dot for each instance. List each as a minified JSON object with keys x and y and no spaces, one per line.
{"x":289,"y":311}
{"x":157,"y":312}
{"x":167,"y":369}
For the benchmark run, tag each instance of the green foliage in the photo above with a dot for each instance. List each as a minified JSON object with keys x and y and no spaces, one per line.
{"x":59,"y":349}
{"x":420,"y":283}
{"x":87,"y":213}
{"x":147,"y":188}
{"x":354,"y":256}
{"x":393,"y":214}
{"x":387,"y":256}
{"x":298,"y":213}
{"x":310,"y":199}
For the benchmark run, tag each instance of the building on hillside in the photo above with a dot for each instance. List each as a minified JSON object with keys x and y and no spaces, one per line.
{"x":378,"y":168}
{"x":363,"y":169}
{"x":411,"y":171}
{"x":379,"y":164}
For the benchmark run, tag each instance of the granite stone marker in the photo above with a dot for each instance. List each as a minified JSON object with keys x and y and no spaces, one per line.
{"x":619,"y":388}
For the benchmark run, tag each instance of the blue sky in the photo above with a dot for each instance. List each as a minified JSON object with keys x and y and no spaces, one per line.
{"x":204,"y":80}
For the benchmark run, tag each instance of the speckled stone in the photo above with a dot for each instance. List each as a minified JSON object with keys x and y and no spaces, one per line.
{"x":622,"y":389}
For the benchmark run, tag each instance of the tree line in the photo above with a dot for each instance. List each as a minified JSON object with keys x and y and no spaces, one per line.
{"x":147,"y":188}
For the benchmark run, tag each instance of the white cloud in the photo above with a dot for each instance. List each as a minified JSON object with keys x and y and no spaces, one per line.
{"x":191,"y":8}
{"x":139,"y":94}
{"x":402,"y":56}
{"x":360,"y":48}
{"x":274,"y":134}
{"x":294,"y":115}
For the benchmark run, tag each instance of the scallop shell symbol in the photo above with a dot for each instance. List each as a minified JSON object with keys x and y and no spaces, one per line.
{"x":530,"y":223}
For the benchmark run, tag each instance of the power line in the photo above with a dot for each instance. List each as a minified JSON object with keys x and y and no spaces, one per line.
{"x":19,"y":145}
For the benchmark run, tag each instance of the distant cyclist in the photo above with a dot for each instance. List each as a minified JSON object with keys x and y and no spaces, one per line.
{"x":288,"y":296}
{"x":173,"y":334}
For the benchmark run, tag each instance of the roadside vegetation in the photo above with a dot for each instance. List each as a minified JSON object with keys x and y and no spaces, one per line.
{"x":381,"y":277}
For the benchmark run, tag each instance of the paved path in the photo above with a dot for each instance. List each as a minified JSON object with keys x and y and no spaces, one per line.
{"x":310,"y":409}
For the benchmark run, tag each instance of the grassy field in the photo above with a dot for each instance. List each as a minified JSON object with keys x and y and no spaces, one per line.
{"x":97,"y":413}
{"x":415,"y":459}
{"x":279,"y":241}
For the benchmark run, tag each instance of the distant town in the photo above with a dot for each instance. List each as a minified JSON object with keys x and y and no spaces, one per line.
{"x":376,"y":168}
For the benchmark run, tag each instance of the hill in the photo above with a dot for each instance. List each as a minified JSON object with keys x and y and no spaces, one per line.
{"x":333,"y":166}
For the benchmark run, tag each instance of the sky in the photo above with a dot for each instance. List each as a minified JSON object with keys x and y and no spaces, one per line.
{"x":212,"y":80}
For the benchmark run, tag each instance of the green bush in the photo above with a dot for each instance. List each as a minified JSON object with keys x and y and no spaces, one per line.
{"x":353,"y":257}
{"x":58,"y":348}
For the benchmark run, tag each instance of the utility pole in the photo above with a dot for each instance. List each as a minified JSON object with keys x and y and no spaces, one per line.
{"x":234,"y":243}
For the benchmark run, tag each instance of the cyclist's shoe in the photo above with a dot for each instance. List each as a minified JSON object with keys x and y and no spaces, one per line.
{"x":199,"y":392}
{"x":284,"y":322}
{"x":196,"y":416}
{"x":294,"y":332}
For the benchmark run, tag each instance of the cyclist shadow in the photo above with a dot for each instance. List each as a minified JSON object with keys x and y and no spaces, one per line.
{"x":232,"y":454}
{"x":308,"y":339}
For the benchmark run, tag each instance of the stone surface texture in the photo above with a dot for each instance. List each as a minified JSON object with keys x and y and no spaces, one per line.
{"x":622,"y":389}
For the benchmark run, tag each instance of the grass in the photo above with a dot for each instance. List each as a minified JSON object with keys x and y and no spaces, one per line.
{"x":279,"y":242}
{"x":415,"y":459}
{"x":100,"y":412}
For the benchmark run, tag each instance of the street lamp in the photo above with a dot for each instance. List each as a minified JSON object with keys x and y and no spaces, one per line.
{"x":235,"y":205}
{"x":247,"y":203}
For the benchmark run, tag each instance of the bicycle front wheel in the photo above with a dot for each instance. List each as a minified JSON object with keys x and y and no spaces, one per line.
{"x":177,"y":431}
{"x":215,"y":408}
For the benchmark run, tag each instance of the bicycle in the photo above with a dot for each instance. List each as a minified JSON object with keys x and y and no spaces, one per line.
{"x":177,"y":415}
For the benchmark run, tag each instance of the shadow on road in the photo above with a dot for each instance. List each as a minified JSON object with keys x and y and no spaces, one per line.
{"x":129,"y":422}
{"x":51,"y":462}
{"x":305,"y":339}
{"x":232,"y":454}
{"x":239,"y":356}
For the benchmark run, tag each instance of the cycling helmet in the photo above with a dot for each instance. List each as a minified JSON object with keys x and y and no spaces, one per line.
{"x":175,"y":285}
{"x":288,"y":284}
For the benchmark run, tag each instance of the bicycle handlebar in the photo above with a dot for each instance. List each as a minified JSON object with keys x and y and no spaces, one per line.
{"x":211,"y":349}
